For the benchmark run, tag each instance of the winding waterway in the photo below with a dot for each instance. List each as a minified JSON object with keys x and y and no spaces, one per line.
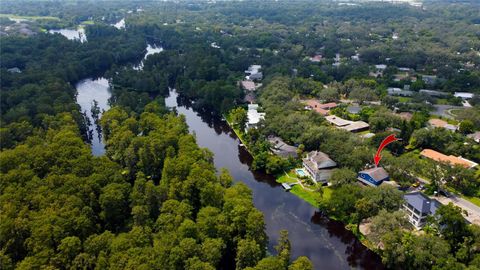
{"x":71,"y":34}
{"x":327,"y":243}
{"x":90,"y":91}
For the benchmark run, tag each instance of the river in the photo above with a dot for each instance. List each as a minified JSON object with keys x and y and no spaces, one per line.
{"x":72,"y":34}
{"x":327,"y":243}
{"x":89,"y":91}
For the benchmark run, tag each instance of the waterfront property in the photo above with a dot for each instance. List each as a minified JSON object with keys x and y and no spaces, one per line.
{"x":253,"y":73}
{"x":373,"y":176}
{"x":318,"y":166}
{"x":452,"y":160}
{"x":254,"y":116}
{"x":418,"y":207}
{"x":281,"y":148}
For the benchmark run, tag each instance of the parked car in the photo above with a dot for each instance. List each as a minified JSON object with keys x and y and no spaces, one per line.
{"x":445,"y":193}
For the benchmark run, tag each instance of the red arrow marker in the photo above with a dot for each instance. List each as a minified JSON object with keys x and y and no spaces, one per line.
{"x":389,"y":139}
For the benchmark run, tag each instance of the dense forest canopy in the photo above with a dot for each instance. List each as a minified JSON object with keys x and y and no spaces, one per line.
{"x":155,"y":200}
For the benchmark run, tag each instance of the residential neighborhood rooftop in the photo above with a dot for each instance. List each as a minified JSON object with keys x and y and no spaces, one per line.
{"x":422,"y":203}
{"x":452,"y":160}
{"x":281,"y":148}
{"x":463,"y":95}
{"x":337,"y":121}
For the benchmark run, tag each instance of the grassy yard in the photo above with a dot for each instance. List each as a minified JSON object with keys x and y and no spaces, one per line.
{"x":312,"y":197}
{"x":474,"y":200}
{"x":404,"y":99}
{"x":90,"y":22}
{"x":30,"y":17}
{"x":237,"y":131}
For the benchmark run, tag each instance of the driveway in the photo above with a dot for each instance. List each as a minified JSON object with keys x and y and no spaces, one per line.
{"x":473,"y":210}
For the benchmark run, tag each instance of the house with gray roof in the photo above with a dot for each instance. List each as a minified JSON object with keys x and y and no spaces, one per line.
{"x":373,"y":176}
{"x":395,"y":91}
{"x":418,"y":207}
{"x":318,"y":166}
{"x":281,"y":148}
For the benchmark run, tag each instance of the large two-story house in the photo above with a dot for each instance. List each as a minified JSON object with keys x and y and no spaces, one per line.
{"x":418,"y":207}
{"x":318,"y":166}
{"x":373,"y":176}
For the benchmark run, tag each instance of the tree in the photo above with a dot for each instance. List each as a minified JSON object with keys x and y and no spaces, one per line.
{"x":466,"y":127}
{"x":451,"y":224}
{"x":283,"y":248}
{"x":385,"y":222}
{"x":363,"y":94}
{"x":239,"y":118}
{"x":342,"y":176}
{"x":329,"y":94}
{"x":270,"y":263}
{"x":301,"y":263}
{"x":248,"y":254}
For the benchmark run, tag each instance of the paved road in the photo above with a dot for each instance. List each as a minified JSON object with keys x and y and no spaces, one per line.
{"x":472,"y":209}
{"x":443,"y":110}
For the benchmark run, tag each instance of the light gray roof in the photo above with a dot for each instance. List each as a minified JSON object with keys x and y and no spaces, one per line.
{"x":354,"y":109}
{"x":319,"y":160}
{"x":377,"y":173}
{"x":422,"y":203}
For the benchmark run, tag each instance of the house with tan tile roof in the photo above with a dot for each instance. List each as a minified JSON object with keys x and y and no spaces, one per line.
{"x":452,"y":160}
{"x":439,"y":123}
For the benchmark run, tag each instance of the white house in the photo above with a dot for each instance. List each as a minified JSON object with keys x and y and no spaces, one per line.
{"x":464,"y":95}
{"x":254,"y":116}
{"x":318,"y":166}
{"x":418,"y":207}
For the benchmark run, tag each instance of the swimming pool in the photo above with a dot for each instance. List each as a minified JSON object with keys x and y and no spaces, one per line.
{"x":300,"y":172}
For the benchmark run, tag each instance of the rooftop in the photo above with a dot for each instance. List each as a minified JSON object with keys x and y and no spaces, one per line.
{"x":475,"y":136}
{"x":319,"y":107}
{"x":452,"y":160}
{"x":354,"y":109}
{"x":337,"y":121}
{"x":248,"y":85}
{"x":464,"y":95}
{"x":377,"y":173}
{"x":253,"y":115}
{"x":281,"y":148}
{"x":422,"y":203}
{"x":319,"y":160}
{"x":357,"y":125}
{"x":435,"y":122}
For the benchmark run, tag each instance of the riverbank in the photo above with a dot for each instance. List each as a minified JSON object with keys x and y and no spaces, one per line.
{"x":308,"y":194}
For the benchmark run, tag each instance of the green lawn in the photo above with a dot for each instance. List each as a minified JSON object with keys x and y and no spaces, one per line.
{"x":237,"y":131}
{"x":474,"y":200}
{"x":30,"y":17}
{"x":312,"y":197}
{"x":404,"y":99}
{"x":90,"y":22}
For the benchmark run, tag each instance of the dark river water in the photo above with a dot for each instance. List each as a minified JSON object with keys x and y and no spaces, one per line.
{"x":326,"y":243}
